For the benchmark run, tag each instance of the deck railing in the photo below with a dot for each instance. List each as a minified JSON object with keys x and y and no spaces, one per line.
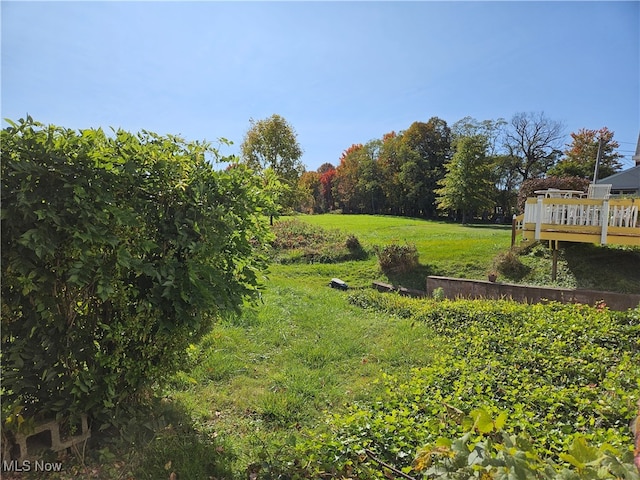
{"x":589,"y":220}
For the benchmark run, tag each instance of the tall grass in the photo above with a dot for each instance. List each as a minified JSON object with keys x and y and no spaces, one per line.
{"x":282,"y":364}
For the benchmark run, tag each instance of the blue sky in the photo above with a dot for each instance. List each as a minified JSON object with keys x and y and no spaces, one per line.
{"x":338,"y":72}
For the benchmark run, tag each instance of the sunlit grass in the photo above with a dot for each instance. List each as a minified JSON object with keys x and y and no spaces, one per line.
{"x":444,"y":248}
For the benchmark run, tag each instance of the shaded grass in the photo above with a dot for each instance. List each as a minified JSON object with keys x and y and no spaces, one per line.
{"x":581,"y":265}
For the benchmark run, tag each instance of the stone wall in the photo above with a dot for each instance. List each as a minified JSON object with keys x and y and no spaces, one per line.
{"x":463,"y":288}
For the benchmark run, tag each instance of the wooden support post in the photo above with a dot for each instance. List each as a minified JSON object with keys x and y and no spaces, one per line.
{"x":554,"y":265}
{"x":604,"y":222}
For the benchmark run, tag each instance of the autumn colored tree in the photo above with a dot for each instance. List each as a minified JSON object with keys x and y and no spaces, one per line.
{"x":423,"y":168}
{"x":325,"y":167}
{"x":310,"y":192}
{"x":346,"y":178}
{"x":327,"y":177}
{"x":316,"y":189}
{"x":467,"y":185}
{"x":580,"y":157}
{"x":358,"y":186}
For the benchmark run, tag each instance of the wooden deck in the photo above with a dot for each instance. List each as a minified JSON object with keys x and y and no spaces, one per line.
{"x":587,"y":220}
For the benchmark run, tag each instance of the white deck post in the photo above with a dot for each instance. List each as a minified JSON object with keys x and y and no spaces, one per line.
{"x":538,"y":219}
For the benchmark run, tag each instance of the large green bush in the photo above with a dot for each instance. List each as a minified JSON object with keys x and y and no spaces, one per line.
{"x":117,"y":253}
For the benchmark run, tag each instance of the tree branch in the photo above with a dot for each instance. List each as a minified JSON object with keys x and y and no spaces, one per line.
{"x":372,"y":456}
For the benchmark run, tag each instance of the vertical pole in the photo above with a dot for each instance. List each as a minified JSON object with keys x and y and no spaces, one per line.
{"x":598,"y":158}
{"x":539,"y":208}
{"x":604,"y":222}
{"x":513,"y":231}
{"x":554,"y":265}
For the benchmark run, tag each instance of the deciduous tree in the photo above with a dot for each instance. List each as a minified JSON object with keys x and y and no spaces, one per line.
{"x":346,"y":178}
{"x":536,"y":141}
{"x":431,"y":144}
{"x":310,"y":190}
{"x":272,"y":143}
{"x":580,"y":157}
{"x":327,"y":179}
{"x":467,"y":186}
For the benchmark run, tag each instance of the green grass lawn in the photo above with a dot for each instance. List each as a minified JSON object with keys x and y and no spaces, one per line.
{"x":446,"y":246}
{"x":446,"y":249}
{"x":470,"y":251}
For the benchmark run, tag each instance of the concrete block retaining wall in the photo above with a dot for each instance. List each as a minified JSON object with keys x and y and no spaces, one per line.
{"x":463,"y":288}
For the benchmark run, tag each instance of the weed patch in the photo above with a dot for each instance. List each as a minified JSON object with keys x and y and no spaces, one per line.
{"x":300,"y":242}
{"x":509,"y":264}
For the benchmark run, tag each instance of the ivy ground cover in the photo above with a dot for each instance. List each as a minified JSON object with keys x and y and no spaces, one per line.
{"x":551,"y":387}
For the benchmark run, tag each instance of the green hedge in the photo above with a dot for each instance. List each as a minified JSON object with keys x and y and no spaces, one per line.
{"x":117,"y":253}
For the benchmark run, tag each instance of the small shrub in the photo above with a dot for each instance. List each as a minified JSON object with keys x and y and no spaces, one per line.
{"x":397,"y":259}
{"x":438,"y":294}
{"x":510,"y":265}
{"x":353,"y":244}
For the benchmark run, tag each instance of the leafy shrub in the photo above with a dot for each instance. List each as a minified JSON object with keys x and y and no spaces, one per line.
{"x":117,"y":253}
{"x":438,"y":294}
{"x":397,"y":259}
{"x":353,"y":244}
{"x":509,"y":264}
{"x":546,"y":390}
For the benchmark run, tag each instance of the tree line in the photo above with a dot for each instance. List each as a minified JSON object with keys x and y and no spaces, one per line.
{"x":467,"y":170}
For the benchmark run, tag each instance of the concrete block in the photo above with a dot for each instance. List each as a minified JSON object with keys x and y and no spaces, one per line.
{"x":47,"y":436}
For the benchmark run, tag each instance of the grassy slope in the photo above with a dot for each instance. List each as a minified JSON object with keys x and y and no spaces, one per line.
{"x":302,"y":352}
{"x":305,"y":350}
